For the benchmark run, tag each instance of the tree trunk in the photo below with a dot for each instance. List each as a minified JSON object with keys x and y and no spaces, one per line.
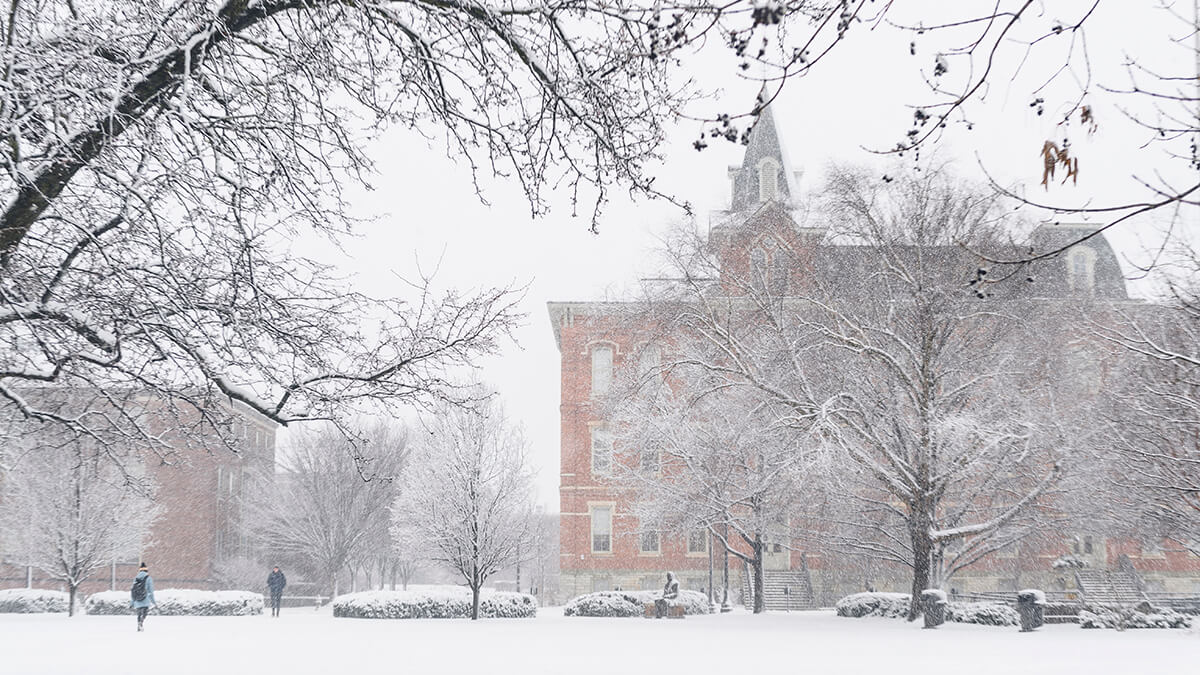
{"x":72,"y":590}
{"x":475,"y":600}
{"x":760,"y":604}
{"x":922,"y":548}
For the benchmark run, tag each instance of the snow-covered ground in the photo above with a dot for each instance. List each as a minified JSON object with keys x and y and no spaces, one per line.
{"x":307,"y":641}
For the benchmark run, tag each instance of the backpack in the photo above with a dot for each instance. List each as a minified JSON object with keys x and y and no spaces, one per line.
{"x":138,"y":592}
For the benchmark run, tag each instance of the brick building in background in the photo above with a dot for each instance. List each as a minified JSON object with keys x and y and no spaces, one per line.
{"x":602,"y":546}
{"x":201,"y":493}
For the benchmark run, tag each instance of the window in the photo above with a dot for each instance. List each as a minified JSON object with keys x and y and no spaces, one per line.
{"x":601,"y":529}
{"x":758,"y":269}
{"x":650,"y":364}
{"x":650,"y":461}
{"x":1081,"y":269}
{"x":1087,"y":544}
{"x":650,"y":542}
{"x":601,"y":451}
{"x":777,"y":548}
{"x":602,"y":369}
{"x":768,"y":180}
{"x":779,"y":272}
{"x":697,"y":541}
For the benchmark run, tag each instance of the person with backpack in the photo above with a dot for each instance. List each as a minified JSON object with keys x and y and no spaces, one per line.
{"x":275,"y":583}
{"x":141,"y":596}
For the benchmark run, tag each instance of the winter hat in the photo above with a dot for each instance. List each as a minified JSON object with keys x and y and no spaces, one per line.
{"x":142,"y":566}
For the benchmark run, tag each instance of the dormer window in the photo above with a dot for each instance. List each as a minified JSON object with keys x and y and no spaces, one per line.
{"x":1081,"y":269}
{"x":768,"y":180}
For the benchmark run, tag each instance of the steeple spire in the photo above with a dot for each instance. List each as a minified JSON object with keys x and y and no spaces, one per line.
{"x":765,"y":174}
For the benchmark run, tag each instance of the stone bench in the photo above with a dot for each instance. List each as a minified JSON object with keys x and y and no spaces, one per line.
{"x":674,"y":611}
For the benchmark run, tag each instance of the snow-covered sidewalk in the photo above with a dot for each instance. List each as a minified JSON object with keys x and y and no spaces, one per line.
{"x":303,"y":641}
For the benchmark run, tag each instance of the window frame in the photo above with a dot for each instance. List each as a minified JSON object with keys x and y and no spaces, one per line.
{"x":601,"y":386}
{"x":597,"y":433}
{"x":657,"y":550}
{"x":768,"y":167}
{"x":592,"y":534}
{"x":1081,"y":269}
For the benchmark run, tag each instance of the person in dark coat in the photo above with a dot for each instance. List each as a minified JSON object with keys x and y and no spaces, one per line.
{"x":142,"y":605}
{"x":276,"y":582}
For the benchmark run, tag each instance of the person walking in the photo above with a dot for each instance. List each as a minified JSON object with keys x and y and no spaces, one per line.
{"x":141,"y":596}
{"x":276,"y":582}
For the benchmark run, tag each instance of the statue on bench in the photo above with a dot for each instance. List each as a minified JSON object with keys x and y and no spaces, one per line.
{"x":670,"y":592}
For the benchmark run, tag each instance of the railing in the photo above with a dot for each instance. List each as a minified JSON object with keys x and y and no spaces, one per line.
{"x":1010,"y":597}
{"x":314,"y":601}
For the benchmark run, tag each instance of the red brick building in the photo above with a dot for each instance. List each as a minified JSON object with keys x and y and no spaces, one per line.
{"x":200,"y":492}
{"x":602,"y":545}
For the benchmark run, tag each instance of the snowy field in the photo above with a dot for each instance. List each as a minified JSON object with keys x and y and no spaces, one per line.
{"x":306,"y":641}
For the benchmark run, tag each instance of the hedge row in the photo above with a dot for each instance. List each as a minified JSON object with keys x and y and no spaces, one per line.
{"x":887,"y":605}
{"x":433,"y":604}
{"x":32,"y":601}
{"x":631,"y":603}
{"x":1129,"y":618}
{"x":181,"y":602}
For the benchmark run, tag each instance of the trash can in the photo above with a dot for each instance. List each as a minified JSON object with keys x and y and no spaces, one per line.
{"x":933,"y":605}
{"x":1030,"y":605}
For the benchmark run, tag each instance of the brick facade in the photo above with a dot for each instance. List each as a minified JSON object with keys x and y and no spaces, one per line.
{"x":200,"y":492}
{"x":756,"y":216}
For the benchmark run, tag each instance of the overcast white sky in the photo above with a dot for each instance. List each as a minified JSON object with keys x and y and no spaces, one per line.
{"x":427,"y":209}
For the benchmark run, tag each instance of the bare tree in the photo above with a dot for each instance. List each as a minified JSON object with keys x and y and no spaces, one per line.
{"x":70,"y":510}
{"x":466,"y":499}
{"x":1154,"y":415}
{"x":330,"y":497}
{"x":922,"y":396}
{"x":711,"y":462}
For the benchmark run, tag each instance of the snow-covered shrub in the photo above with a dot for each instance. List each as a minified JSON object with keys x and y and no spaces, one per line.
{"x":984,"y":613}
{"x":32,"y":601}
{"x":181,"y":602}
{"x":603,"y":603}
{"x":888,"y":605}
{"x":1122,"y":618}
{"x":442,"y":603}
{"x":631,"y":603}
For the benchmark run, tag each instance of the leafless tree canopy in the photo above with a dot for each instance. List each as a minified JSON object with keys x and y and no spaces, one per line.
{"x":693,"y":458}
{"x":466,"y":501}
{"x":869,"y":359}
{"x":67,"y":510}
{"x":1154,"y":416}
{"x":322,"y":510}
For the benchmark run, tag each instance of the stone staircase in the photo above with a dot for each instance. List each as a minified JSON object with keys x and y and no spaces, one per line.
{"x":1102,"y":587}
{"x":783,"y":590}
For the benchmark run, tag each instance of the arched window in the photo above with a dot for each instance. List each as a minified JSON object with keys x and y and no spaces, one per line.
{"x":768,"y":180}
{"x":758,"y":269}
{"x":1081,"y":269}
{"x":779,"y":272}
{"x":602,"y":369}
